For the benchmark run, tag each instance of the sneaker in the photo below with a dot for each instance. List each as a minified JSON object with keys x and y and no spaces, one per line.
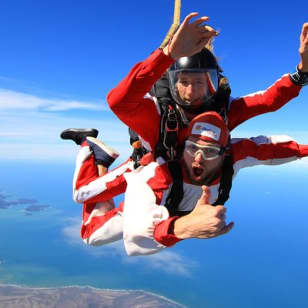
{"x":78,"y":135}
{"x":104,"y":155}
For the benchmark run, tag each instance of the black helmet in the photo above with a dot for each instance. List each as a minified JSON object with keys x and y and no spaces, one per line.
{"x":202,"y":62}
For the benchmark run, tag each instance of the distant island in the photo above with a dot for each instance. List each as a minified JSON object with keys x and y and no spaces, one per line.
{"x":12,"y":296}
{"x":31,"y":204}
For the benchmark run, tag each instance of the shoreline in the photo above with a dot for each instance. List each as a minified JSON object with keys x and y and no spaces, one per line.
{"x":89,"y":289}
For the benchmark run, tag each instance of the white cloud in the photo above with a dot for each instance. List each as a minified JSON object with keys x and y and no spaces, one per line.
{"x":10,"y":100}
{"x":37,"y":137}
{"x":72,"y":236}
{"x":30,"y":128}
{"x":72,"y":231}
{"x":167,"y":261}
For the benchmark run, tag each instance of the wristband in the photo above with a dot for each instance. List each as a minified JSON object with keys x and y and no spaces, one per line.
{"x":299,"y":78}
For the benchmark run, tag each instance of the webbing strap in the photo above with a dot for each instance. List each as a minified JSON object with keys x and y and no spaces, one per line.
{"x":176,"y":193}
{"x":226,"y":181}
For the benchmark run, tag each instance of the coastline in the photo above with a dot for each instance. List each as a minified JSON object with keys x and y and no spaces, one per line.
{"x":12,"y":295}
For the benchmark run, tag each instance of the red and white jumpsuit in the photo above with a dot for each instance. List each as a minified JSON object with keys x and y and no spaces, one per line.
{"x":143,"y":222}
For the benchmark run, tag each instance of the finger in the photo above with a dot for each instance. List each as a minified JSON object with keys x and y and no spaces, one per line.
{"x":220,"y":210}
{"x":226,"y":228}
{"x":220,"y":225}
{"x":222,"y":215}
{"x":305,"y":27}
{"x":200,"y":20}
{"x":206,"y":195}
{"x":189,"y":17}
{"x":207,"y":29}
{"x":206,"y":36}
{"x":203,"y":42}
{"x":304,"y":31}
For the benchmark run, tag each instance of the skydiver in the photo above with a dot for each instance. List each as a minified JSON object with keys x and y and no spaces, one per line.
{"x":193,"y":74}
{"x":143,"y":221}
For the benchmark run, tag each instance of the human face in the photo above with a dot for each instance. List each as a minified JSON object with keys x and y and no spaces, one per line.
{"x":192,"y":87}
{"x":202,"y":164}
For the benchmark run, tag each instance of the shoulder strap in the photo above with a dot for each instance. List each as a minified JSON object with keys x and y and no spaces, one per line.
{"x":226,"y":181}
{"x":222,"y":97}
{"x":176,"y":193}
{"x":169,"y":123}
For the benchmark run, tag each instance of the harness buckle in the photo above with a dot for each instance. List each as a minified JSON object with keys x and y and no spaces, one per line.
{"x":171,"y":133}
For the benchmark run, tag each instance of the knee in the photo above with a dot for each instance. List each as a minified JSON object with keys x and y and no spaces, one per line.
{"x":79,"y":196}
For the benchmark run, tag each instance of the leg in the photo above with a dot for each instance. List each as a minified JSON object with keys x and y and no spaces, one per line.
{"x":104,"y":157}
{"x":99,"y":229}
{"x":92,"y":162}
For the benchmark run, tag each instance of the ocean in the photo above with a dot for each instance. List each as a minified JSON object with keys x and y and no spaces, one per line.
{"x":262,"y":262}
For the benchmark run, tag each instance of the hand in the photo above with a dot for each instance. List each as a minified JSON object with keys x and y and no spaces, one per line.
{"x":303,"y":49}
{"x":190,"y":38}
{"x":205,"y":221}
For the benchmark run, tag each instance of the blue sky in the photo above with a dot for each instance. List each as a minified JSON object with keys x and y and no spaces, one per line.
{"x":59,"y":59}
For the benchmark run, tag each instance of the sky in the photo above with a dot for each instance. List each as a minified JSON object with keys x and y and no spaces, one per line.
{"x":60,"y":59}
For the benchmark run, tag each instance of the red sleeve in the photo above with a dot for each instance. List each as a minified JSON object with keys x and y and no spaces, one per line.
{"x":161,"y":234}
{"x":303,"y":150}
{"x":128,"y":99}
{"x":266,"y":150}
{"x":273,"y":98}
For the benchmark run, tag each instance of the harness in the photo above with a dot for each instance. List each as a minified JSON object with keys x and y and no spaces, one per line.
{"x":172,"y":119}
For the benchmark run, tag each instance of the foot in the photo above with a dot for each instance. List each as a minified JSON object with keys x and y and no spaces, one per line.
{"x":104,"y":155}
{"x":78,"y":135}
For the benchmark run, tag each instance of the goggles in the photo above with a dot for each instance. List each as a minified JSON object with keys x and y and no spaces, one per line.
{"x":210,"y":84}
{"x":208,"y":152}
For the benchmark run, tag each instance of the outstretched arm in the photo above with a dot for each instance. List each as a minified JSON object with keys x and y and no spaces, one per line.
{"x":303,"y":49}
{"x":273,"y":98}
{"x":262,"y":150}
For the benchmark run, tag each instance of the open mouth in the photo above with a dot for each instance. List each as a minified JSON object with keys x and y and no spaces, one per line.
{"x":197,"y":171}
